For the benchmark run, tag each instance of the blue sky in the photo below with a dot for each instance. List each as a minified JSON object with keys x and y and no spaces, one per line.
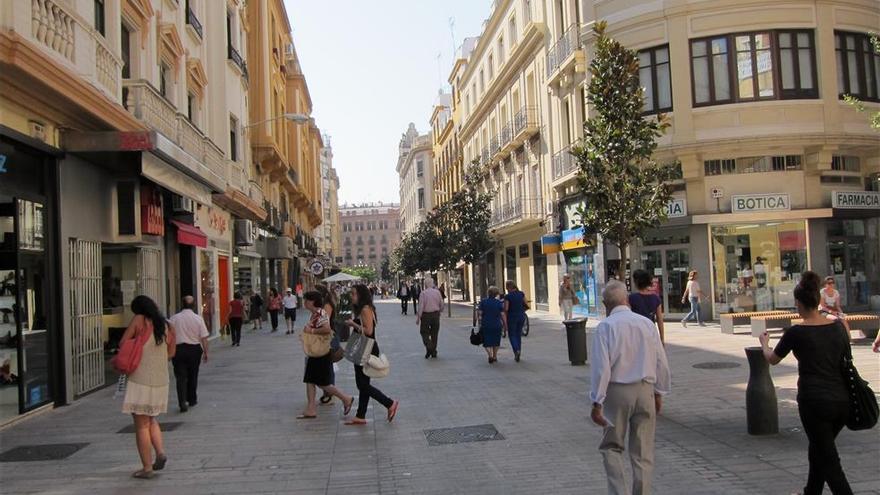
{"x":371,"y":67}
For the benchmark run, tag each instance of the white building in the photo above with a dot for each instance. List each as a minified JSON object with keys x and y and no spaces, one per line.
{"x":416,"y":173}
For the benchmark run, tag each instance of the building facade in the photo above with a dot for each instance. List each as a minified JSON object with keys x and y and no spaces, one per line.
{"x":778,"y":174}
{"x":327,"y":234}
{"x":416,"y":175}
{"x":369,"y":233}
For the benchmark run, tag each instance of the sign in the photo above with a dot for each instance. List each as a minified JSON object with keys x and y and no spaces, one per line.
{"x":573,"y":238}
{"x":676,"y":208}
{"x":855,"y":200}
{"x":760,"y":202}
{"x":316,"y":268}
{"x":551,"y":243}
{"x":214,"y":221}
{"x":569,"y":209}
{"x":152,"y":220}
{"x":717,"y":193}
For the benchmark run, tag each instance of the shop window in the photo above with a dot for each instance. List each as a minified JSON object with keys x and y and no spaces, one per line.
{"x":843,"y":163}
{"x":654,"y":76}
{"x":858,"y":66}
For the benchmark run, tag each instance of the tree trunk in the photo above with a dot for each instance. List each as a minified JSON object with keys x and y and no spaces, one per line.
{"x":448,"y":293}
{"x":624,"y":262}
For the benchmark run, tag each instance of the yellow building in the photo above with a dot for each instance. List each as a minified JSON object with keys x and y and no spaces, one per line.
{"x":778,"y":174}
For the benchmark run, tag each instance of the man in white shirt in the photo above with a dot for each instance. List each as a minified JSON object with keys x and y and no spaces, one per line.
{"x":289,"y":302}
{"x":630,"y":375}
{"x":192,"y":349}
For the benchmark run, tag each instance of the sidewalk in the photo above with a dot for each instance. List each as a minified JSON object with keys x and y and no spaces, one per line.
{"x":243,"y":438}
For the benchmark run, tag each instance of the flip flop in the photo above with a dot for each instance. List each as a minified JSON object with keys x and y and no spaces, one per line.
{"x":392,"y":411}
{"x":356,"y":422}
{"x":348,"y":407}
{"x":160,"y":462}
{"x":306,"y":416}
{"x":143,"y":475}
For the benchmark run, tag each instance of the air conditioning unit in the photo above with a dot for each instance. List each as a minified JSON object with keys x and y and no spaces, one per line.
{"x":280,"y":248}
{"x":245,"y":233}
{"x":181,"y":204}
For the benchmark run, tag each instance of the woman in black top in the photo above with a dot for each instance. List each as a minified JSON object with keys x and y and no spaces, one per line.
{"x":645,"y":302}
{"x":365,"y":323}
{"x":819,"y":346}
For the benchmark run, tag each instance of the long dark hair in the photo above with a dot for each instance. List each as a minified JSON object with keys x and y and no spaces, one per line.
{"x":316,"y":298}
{"x":807,"y":290}
{"x":146,"y":307}
{"x":328,"y":296}
{"x":364,"y":298}
{"x":273,"y":292}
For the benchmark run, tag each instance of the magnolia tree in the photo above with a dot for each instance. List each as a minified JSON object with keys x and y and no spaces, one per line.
{"x":625,"y":190}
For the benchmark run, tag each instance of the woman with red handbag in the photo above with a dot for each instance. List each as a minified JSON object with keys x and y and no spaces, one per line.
{"x":147,"y":345}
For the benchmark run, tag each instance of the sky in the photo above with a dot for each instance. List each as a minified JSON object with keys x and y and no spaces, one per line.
{"x":371,"y":68}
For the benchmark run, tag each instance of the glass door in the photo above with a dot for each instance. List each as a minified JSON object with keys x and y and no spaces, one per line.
{"x":677,"y":265}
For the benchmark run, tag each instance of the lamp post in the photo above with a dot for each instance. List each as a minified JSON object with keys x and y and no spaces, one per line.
{"x":293,"y":117}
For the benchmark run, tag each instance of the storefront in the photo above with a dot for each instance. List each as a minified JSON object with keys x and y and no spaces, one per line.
{"x":215,"y":267}
{"x":31,"y":361}
{"x":580,"y":258}
{"x":665,"y":253}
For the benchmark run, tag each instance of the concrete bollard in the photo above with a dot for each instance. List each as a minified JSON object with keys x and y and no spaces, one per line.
{"x":762,"y":411}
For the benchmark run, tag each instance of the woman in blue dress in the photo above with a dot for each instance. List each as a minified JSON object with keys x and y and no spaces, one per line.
{"x":492,"y":321}
{"x":515,"y":309}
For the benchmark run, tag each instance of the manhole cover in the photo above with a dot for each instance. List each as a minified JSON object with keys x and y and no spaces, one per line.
{"x":716,"y":365}
{"x":462,"y":434}
{"x":167,"y":426}
{"x":48,"y":452}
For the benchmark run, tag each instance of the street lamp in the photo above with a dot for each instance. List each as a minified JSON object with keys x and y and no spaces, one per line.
{"x":293,"y":117}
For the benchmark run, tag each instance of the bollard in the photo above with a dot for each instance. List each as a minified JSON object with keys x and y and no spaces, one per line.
{"x":762,"y":412}
{"x":576,"y":336}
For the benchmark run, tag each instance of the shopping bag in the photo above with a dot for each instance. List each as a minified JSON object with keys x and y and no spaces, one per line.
{"x":358,"y":348}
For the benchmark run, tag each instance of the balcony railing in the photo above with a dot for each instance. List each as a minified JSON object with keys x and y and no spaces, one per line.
{"x":563,"y":48}
{"x":232,"y":54}
{"x":59,"y":30}
{"x":506,"y":135}
{"x":516,"y":211}
{"x":484,"y":156}
{"x":193,"y":21}
{"x":524,"y":121}
{"x":494,"y":146}
{"x":563,"y":163}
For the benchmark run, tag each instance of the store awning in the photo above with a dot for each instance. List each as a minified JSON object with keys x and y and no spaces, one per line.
{"x":190,"y":235}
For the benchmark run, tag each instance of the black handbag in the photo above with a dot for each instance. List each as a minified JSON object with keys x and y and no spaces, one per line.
{"x":476,"y":337}
{"x":863,"y":409}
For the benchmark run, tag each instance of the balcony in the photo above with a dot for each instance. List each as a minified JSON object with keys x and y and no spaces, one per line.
{"x":151,"y":108}
{"x":563,"y":164}
{"x":193,"y":22}
{"x":506,"y":138}
{"x":56,"y":27}
{"x":484,"y":156}
{"x":525,"y":124}
{"x":235,"y":57}
{"x":516,"y":212}
{"x":565,"y":46}
{"x":494,"y":146}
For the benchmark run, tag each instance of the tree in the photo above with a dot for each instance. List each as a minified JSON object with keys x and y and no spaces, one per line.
{"x":385,"y":269}
{"x":625,"y":190}
{"x":855,"y":102}
{"x":366,"y":273}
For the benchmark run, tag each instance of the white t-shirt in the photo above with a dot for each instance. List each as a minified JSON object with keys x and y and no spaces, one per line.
{"x":693,"y":288}
{"x":289,"y":301}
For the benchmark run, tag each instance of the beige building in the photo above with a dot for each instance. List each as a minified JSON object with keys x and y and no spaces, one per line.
{"x":327,"y":234}
{"x":778,"y":174}
{"x":416,"y":175}
{"x":370,"y":232}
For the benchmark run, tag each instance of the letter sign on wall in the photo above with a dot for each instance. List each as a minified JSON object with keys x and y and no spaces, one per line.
{"x":855,"y":200}
{"x":676,"y":208}
{"x":760,"y":202}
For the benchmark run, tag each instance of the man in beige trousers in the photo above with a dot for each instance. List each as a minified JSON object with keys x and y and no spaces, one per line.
{"x":630,"y":375}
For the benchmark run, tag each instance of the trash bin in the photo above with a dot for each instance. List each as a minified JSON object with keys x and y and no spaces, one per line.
{"x":576,"y":335}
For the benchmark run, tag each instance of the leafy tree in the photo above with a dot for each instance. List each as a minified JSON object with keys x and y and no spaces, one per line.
{"x":366,"y":273}
{"x":855,"y":102}
{"x":470,"y":213}
{"x":625,"y":190}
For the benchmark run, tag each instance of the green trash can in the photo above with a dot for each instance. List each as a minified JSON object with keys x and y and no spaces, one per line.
{"x":576,"y":336}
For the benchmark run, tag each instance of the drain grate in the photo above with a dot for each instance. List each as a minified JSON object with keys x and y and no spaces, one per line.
{"x":168,"y":426}
{"x":716,"y":365}
{"x":48,"y":452}
{"x":462,"y":434}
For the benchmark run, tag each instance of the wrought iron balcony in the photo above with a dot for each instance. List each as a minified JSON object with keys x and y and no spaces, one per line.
{"x":563,"y":48}
{"x":232,"y":54}
{"x":563,"y":163}
{"x":516,"y":211}
{"x":484,"y":156}
{"x":506,"y":135}
{"x":494,"y":146}
{"x":525,"y":124}
{"x":193,"y":21}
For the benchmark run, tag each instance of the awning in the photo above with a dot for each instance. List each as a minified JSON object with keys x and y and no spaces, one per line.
{"x":190,"y":235}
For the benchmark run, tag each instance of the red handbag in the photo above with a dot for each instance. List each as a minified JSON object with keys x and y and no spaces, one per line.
{"x":129,"y":357}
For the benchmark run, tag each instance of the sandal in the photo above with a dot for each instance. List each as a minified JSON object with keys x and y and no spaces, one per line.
{"x":325,"y":399}
{"x":143,"y":475}
{"x":392,"y":411}
{"x":347,"y":409}
{"x":160,"y":462}
{"x":356,"y":422}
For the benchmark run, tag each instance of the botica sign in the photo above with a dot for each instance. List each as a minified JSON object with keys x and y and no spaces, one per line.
{"x":746,"y":203}
{"x":855,"y":200}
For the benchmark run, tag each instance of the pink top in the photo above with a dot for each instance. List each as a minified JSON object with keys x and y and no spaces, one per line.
{"x":430,"y":301}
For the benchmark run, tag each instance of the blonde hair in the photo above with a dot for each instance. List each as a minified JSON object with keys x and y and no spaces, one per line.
{"x":692,"y":275}
{"x":492,"y":291}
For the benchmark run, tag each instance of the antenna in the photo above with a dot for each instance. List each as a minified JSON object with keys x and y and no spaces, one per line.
{"x":440,"y":71}
{"x":452,"y":34}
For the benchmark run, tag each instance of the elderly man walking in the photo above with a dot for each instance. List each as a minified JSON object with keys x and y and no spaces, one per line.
{"x":428,"y":317}
{"x":630,"y":375}
{"x":192,"y":348}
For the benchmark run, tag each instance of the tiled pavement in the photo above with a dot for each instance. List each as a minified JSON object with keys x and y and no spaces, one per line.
{"x":243,"y":438}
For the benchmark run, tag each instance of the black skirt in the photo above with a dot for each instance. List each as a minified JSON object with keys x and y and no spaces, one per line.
{"x":319,"y":371}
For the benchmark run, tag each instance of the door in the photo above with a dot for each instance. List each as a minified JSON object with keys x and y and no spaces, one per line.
{"x":847,"y":257}
{"x":223,"y":276}
{"x":676,"y":267}
{"x":86,"y":310}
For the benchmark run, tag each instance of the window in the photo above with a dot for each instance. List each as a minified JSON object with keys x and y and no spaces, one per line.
{"x":511,"y":30}
{"x":420,"y":168}
{"x":858,"y":66}
{"x":191,"y":102}
{"x":482,"y":82}
{"x":753,"y":164}
{"x":501,"y":50}
{"x":100,"y":18}
{"x":655,"y":78}
{"x":233,"y":139}
{"x":843,"y":163}
{"x":125,"y":45}
{"x":164,"y":81}
{"x":491,"y":65}
{"x":768,"y":65}
{"x":421,"y":198}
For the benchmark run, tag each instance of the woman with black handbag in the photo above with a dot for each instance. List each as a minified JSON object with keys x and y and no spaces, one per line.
{"x":820,"y":347}
{"x":492,"y":321}
{"x":365,"y":324}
